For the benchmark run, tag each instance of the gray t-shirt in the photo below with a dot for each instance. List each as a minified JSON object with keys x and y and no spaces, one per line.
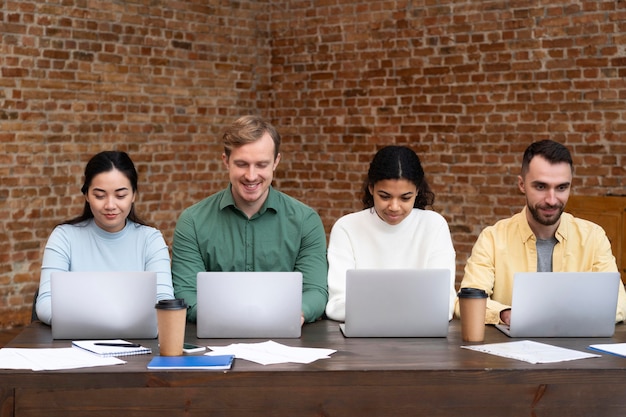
{"x":544,"y":254}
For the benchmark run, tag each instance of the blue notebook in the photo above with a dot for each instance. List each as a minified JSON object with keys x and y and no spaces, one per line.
{"x":218,"y":362}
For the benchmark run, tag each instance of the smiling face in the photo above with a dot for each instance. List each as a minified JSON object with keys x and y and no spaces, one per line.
{"x":547,"y":188}
{"x":393,"y":199}
{"x":110,"y":196}
{"x":251,"y":170}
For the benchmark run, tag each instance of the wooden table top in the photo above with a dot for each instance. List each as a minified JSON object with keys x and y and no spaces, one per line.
{"x":364,"y":354}
{"x":366,"y":376}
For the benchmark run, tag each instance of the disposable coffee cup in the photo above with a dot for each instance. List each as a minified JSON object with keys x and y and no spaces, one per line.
{"x":473,"y":306}
{"x":171,"y":321}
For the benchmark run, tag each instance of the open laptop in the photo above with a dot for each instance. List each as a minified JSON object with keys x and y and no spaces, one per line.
{"x":397,"y":303}
{"x":249,"y":304}
{"x":563,"y":304}
{"x":103,"y":305}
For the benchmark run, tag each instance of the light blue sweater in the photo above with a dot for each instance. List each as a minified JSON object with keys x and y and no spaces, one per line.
{"x":86,"y":247}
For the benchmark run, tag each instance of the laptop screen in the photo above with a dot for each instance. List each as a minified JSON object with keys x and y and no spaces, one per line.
{"x":397,"y":302}
{"x":103,"y":305}
{"x":249,"y":304}
{"x":564,"y":304}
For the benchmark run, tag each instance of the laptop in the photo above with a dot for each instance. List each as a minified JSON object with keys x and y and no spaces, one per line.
{"x":397,"y":303}
{"x":103,"y":305}
{"x":249,"y":304}
{"x":563,"y":304}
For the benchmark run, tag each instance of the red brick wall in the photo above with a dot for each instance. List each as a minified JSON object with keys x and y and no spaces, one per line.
{"x":158,"y":79}
{"x":467,"y":84}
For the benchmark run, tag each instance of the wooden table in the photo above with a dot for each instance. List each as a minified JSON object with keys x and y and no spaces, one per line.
{"x":366,"y":377}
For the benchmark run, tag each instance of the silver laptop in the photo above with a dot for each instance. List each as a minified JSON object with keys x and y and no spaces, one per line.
{"x":103,"y":305}
{"x":397,"y":303}
{"x":563,"y":304}
{"x":249,"y":304}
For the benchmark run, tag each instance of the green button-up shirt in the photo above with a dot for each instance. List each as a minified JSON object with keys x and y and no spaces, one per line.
{"x":285,"y":235}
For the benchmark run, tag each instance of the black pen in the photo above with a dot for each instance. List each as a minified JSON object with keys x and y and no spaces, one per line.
{"x":129,"y":345}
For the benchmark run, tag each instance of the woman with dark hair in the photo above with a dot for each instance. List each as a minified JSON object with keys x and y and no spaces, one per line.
{"x":393,"y":231}
{"x":108,"y":235}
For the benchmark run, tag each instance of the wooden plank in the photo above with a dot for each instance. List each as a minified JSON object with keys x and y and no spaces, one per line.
{"x":372,"y":377}
{"x":610,"y":213}
{"x":332,"y":400}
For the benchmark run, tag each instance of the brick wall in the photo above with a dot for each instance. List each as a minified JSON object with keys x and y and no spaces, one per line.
{"x":158,"y":79}
{"x":468,"y":84}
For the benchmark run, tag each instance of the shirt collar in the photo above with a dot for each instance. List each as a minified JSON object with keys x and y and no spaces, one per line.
{"x":527,"y":233}
{"x":271,"y":202}
{"x":561,"y":231}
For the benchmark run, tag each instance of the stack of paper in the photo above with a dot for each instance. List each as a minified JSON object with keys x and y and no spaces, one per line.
{"x":530,"y":351}
{"x":51,"y":359}
{"x":270,"y":352}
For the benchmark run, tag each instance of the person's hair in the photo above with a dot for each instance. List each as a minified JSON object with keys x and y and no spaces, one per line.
{"x":394,"y":163}
{"x":551,"y":151}
{"x":104,"y":162}
{"x":248,"y":129}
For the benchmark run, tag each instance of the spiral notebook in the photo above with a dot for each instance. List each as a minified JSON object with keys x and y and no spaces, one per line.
{"x":104,"y":348}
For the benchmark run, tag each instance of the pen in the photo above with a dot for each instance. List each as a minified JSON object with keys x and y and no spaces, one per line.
{"x":129,"y":345}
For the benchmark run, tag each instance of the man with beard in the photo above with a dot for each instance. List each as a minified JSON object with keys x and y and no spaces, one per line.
{"x":540,"y":238}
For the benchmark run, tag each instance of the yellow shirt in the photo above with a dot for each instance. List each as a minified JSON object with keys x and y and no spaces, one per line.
{"x":509,"y":246}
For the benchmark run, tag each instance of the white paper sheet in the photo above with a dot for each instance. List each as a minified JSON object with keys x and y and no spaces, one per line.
{"x":531,"y":351}
{"x":618,"y":349}
{"x":270,"y":352}
{"x":52,"y":359}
